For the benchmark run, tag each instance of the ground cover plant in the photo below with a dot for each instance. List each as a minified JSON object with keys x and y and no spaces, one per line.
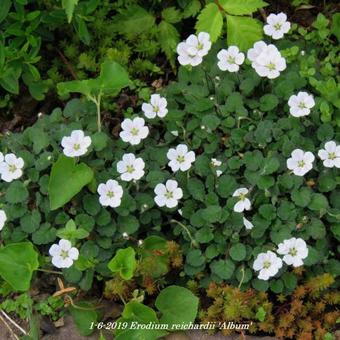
{"x":214,"y":198}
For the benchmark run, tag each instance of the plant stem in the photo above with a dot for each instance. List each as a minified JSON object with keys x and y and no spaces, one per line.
{"x":193,"y":242}
{"x":49,"y":271}
{"x":99,"y":121}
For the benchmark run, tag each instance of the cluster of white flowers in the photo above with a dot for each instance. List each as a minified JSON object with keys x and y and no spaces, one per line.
{"x":63,"y":254}
{"x":76,"y":145}
{"x":3,"y":219}
{"x":193,"y":49}
{"x":10,"y":167}
{"x":268,"y":264}
{"x":301,"y":162}
{"x":266,"y":60}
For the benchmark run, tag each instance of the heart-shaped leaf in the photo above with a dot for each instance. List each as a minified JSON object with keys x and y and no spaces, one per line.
{"x":124,"y":262}
{"x":66,"y":180}
{"x":17,"y":263}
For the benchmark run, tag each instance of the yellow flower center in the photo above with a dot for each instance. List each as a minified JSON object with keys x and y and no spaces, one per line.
{"x":271,"y":66}
{"x":110,"y":194}
{"x":180,"y":159}
{"x":292,"y":251}
{"x":302,"y":105}
{"x":332,"y":155}
{"x":134,"y":132}
{"x":76,"y":147}
{"x":277,"y":26}
{"x":266,"y":264}
{"x":301,"y":164}
{"x":64,"y":254}
{"x":169,"y":194}
{"x":130,"y":169}
{"x":231,"y":60}
{"x":12,"y":168}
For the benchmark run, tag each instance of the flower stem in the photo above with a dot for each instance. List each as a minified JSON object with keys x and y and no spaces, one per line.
{"x":193,"y":241}
{"x":49,"y":271}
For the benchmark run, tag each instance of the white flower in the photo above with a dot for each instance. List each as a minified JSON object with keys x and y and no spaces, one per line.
{"x":130,"y":167}
{"x":230,"y":59}
{"x":300,"y":162}
{"x":294,"y":251}
{"x":168,"y":194}
{"x":3,"y":219}
{"x":266,"y":60}
{"x":244,"y":202}
{"x":330,"y":155}
{"x":110,"y":193}
{"x":219,"y":173}
{"x":247,"y":224}
{"x":133,"y":130}
{"x":180,"y":158}
{"x":125,"y":236}
{"x":277,"y":25}
{"x":193,"y":49}
{"x":1,"y":157}
{"x":11,"y":167}
{"x":301,"y":104}
{"x":215,"y":162}
{"x":75,"y":145}
{"x":268,"y":264}
{"x":63,"y":254}
{"x":156,"y":107}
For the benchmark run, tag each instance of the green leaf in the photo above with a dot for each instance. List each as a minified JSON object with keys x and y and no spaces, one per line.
{"x":195,"y":258}
{"x":133,"y":21}
{"x":243,"y":31}
{"x":171,"y":14}
{"x":17,"y":263}
{"x":68,"y":6}
{"x":168,"y":39}
{"x":268,"y":102}
{"x":318,"y":202}
{"x":113,"y":77}
{"x":212,"y":213}
{"x":9,"y":80}
{"x":70,"y":232}
{"x":178,"y":305}
{"x":270,"y":166}
{"x":289,"y":280}
{"x":16,"y":192}
{"x":210,"y":20}
{"x":83,"y":317}
{"x":241,"y":7}
{"x":238,"y":252}
{"x":301,"y":197}
{"x":66,"y":180}
{"x":223,"y":268}
{"x":124,"y":262}
{"x":5,"y":5}
{"x":261,"y":314}
{"x":335,"y":28}
{"x":196,"y":189}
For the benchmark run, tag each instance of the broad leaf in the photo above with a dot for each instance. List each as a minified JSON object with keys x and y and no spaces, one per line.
{"x":17,"y":263}
{"x":242,"y":7}
{"x":113,"y":77}
{"x":168,"y":39}
{"x":83,"y":317}
{"x":210,"y":20}
{"x":124,"y":263}
{"x":66,"y":180}
{"x":243,"y":31}
{"x":178,"y":305}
